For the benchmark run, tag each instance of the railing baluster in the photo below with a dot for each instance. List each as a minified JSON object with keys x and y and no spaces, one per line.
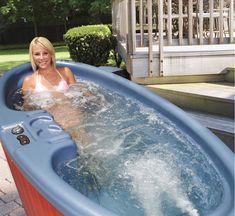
{"x":190,"y":22}
{"x":200,"y":22}
{"x":169,"y":22}
{"x":150,"y":38}
{"x":231,"y":21}
{"x":211,"y":6}
{"x":160,"y":31}
{"x":180,"y":22}
{"x":221,"y":21}
{"x":141,"y":15}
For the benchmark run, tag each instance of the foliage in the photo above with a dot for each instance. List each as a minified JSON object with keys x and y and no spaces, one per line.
{"x":92,"y":10}
{"x":37,"y":12}
{"x":7,"y":14}
{"x":54,"y":12}
{"x":89,"y":44}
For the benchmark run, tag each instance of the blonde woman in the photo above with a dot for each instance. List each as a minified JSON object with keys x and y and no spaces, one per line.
{"x":45,"y":87}
{"x":45,"y":76}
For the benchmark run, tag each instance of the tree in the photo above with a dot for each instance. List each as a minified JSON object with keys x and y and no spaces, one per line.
{"x":7,"y":14}
{"x":53,"y":12}
{"x":92,"y":10}
{"x":42,"y":12}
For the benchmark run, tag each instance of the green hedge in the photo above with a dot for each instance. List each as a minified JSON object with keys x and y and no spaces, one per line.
{"x":89,"y":44}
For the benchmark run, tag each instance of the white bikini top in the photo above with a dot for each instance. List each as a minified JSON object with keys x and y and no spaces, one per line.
{"x":39,"y":87}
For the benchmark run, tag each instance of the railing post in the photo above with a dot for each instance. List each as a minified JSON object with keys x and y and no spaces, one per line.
{"x":131,"y":14}
{"x":150,"y":38}
{"x":160,"y":30}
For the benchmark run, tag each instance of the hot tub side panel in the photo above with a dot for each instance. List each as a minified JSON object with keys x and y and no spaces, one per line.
{"x":33,"y":202}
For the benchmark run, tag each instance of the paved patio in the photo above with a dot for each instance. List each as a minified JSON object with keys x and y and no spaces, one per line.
{"x":10,"y":203}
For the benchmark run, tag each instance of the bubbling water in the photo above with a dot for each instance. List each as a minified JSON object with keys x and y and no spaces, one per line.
{"x":134,"y":160}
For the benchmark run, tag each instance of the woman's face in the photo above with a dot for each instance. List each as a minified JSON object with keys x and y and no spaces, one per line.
{"x":41,"y":56}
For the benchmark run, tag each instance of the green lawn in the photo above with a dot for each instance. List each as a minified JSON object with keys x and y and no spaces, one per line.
{"x":11,"y":57}
{"x":14,"y":55}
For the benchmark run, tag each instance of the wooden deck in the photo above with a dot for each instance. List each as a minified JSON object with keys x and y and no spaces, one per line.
{"x":163,"y":38}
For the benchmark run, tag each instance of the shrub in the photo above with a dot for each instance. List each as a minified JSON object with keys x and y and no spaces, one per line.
{"x":89,"y":44}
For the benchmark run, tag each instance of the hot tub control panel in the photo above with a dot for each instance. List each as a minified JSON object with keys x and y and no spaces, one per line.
{"x":23,"y":139}
{"x":18,"y":130}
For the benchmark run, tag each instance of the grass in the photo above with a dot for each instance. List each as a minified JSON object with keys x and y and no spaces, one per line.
{"x":14,"y":55}
{"x":11,"y":56}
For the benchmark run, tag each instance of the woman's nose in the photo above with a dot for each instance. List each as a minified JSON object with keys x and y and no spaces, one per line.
{"x":41,"y":56}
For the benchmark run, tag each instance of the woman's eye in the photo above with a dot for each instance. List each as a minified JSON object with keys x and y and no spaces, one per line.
{"x":38,"y":54}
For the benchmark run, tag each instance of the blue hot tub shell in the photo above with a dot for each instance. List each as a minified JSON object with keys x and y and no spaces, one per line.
{"x":49,"y":144}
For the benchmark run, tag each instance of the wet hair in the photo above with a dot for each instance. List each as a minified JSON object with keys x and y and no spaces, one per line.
{"x":44,"y":43}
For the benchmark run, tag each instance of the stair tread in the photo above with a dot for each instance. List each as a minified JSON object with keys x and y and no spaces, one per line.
{"x":218,"y":90}
{"x":215,"y":122}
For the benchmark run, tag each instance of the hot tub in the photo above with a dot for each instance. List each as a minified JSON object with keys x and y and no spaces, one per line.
{"x":34,"y":145}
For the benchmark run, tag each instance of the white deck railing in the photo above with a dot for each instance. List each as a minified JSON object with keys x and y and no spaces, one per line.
{"x":145,"y":23}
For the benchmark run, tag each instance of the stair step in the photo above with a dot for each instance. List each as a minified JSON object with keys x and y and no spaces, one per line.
{"x":215,"y":98}
{"x":221,"y":126}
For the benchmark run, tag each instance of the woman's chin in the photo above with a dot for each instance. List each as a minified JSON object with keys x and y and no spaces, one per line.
{"x":43,"y":66}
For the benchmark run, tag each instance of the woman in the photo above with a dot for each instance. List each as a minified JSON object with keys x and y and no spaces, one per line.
{"x":46,"y":77}
{"x":49,"y":83}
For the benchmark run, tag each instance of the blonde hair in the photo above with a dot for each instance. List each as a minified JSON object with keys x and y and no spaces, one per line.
{"x":46,"y":44}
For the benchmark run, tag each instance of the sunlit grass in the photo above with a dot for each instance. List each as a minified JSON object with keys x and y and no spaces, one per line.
{"x":10,"y":57}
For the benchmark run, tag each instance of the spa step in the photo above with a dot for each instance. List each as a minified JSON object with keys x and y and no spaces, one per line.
{"x":223,"y":127}
{"x":215,"y":98}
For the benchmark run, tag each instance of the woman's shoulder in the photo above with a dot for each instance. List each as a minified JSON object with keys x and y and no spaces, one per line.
{"x":64,"y":70}
{"x":28,"y":81}
{"x":67,"y":74}
{"x":30,"y":78}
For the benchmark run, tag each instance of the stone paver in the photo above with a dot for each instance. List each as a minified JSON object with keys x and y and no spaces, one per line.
{"x":10,"y":203}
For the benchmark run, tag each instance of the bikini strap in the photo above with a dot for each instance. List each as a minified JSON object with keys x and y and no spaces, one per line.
{"x":37,"y":77}
{"x":60,"y":74}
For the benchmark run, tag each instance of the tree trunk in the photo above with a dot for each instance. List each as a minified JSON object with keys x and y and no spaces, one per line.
{"x":35,"y":26}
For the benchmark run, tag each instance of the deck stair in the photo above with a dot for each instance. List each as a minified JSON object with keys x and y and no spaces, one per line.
{"x":210,"y":103}
{"x":215,"y":98}
{"x":221,"y":126}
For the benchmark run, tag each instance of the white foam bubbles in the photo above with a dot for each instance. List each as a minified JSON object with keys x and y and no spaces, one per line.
{"x":154,"y":182}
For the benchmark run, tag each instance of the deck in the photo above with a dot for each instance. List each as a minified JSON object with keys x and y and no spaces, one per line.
{"x":174,"y":38}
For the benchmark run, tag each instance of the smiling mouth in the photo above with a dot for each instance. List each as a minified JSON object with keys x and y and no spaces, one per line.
{"x":41,"y":63}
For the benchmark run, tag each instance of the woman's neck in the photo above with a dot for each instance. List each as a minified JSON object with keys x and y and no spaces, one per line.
{"x":46,"y":71}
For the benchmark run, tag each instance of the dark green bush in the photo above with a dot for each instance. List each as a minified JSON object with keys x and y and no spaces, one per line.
{"x":89,"y":44}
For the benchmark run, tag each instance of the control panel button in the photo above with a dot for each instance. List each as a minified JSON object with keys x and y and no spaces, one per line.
{"x":23,"y":139}
{"x":17,"y":130}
